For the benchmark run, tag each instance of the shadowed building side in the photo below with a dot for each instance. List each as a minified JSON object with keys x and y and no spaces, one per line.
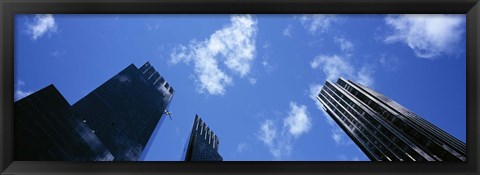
{"x":45,"y":129}
{"x":125,"y":110}
{"x":203,"y":143}
{"x":383,"y":129}
{"x":113,"y":122}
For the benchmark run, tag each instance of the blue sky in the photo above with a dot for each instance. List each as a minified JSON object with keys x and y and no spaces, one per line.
{"x":253,"y":78}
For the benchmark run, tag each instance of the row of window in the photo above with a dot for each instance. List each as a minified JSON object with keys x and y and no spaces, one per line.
{"x":369,"y":141}
{"x":369,"y":125}
{"x":419,"y":137}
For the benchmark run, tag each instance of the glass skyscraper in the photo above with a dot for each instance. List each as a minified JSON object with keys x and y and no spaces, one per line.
{"x":203,"y":143}
{"x":383,"y":129}
{"x":46,"y":129}
{"x":113,"y":122}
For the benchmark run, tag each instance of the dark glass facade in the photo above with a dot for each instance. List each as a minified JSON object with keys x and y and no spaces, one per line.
{"x":46,"y":129}
{"x":203,"y":143}
{"x":383,"y":129}
{"x":120,"y":116}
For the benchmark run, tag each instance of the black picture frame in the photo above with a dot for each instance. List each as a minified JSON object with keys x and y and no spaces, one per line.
{"x":8,"y":8}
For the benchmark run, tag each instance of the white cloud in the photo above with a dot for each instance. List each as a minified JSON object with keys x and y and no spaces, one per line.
{"x":317,"y":23}
{"x":335,"y":66}
{"x":287,"y":31}
{"x":428,"y":35}
{"x":388,"y":62}
{"x":345,"y":45}
{"x":298,"y":120}
{"x":364,"y":76}
{"x":264,"y":63}
{"x":268,"y":67}
{"x":233,"y":45}
{"x":339,"y":136}
{"x":41,"y":25}
{"x":268,"y":132}
{"x":336,"y":136}
{"x":282,"y":149}
{"x":19,"y":93}
{"x":280,"y":143}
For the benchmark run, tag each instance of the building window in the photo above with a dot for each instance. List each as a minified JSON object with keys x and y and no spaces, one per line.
{"x":167,"y":85}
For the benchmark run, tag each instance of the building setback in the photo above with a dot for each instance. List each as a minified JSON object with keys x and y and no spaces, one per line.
{"x":203,"y":143}
{"x":45,"y":129}
{"x":383,"y":129}
{"x":120,"y":116}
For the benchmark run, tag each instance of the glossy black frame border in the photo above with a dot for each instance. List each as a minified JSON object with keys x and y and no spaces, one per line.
{"x":8,"y":8}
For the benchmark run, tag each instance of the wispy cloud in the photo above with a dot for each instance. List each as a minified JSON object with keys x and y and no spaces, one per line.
{"x":339,"y":136}
{"x":364,"y":76}
{"x":428,"y":35}
{"x":389,"y":62}
{"x":268,"y":132}
{"x":287,"y":31}
{"x":268,"y":67}
{"x":265,"y":63}
{"x":335,"y":66}
{"x":298,"y":120}
{"x":42,"y":24}
{"x":19,"y":92}
{"x":345,"y":45}
{"x":318,"y":23}
{"x":233,"y":45}
{"x":280,"y":143}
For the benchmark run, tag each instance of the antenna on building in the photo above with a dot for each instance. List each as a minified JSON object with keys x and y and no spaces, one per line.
{"x":168,"y":113}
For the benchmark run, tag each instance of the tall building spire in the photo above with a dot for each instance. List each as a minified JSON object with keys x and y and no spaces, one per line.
{"x":203,"y":143}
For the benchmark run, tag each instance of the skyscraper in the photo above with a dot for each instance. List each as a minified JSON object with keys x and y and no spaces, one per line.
{"x":120,"y":116}
{"x":45,"y":129}
{"x":383,"y":129}
{"x":203,"y":143}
